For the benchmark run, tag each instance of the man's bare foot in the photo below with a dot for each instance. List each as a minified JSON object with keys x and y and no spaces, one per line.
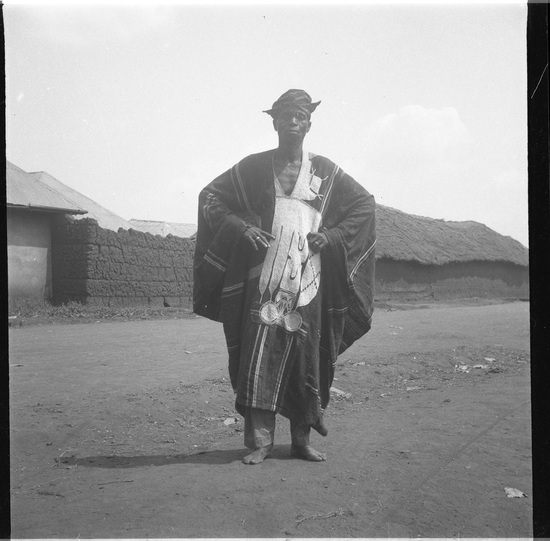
{"x":307,"y":452}
{"x":258,"y":455}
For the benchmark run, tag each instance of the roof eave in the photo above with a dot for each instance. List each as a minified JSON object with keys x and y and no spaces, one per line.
{"x":46,"y":209}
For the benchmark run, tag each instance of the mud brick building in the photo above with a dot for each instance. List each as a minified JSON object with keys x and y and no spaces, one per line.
{"x":418,"y":259}
{"x":100,"y":258}
{"x":94,"y":265}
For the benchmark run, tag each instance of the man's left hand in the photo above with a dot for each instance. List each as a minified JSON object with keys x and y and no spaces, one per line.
{"x":317,"y":242}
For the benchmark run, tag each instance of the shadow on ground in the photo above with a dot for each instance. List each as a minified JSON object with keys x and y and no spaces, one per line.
{"x":220,"y":456}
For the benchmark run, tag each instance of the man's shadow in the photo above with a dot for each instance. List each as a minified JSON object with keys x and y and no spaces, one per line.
{"x":220,"y":456}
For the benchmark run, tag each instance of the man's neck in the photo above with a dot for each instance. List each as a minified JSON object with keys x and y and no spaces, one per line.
{"x":290,"y":154}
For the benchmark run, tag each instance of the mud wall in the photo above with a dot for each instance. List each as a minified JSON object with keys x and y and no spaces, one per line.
{"x":130,"y":268}
{"x":406,"y":280}
{"x":125,"y":268}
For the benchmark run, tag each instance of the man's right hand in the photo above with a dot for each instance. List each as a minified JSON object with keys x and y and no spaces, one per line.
{"x":257,"y":237}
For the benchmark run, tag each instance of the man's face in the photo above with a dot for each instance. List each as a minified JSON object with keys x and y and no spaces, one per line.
{"x":292,"y":124}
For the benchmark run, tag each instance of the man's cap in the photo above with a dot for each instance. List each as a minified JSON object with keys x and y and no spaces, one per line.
{"x":293,"y":98}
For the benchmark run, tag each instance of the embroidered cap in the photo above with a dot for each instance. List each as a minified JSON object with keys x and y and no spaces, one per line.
{"x":293,"y":98}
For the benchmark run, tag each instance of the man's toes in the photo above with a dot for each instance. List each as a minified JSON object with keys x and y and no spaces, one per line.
{"x":315,"y":456}
{"x":252,"y":459}
{"x":307,"y":453}
{"x":257,"y":456}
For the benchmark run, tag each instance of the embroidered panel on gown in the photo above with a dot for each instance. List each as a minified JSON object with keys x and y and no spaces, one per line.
{"x":279,"y":367}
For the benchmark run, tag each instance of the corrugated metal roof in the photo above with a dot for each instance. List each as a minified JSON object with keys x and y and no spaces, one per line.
{"x":164,"y":228}
{"x":23,"y":190}
{"x":104,"y":217}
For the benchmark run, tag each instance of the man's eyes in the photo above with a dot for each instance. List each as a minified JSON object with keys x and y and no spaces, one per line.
{"x":298,"y":116}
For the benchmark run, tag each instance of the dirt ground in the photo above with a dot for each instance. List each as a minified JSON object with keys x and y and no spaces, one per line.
{"x":127,"y":430}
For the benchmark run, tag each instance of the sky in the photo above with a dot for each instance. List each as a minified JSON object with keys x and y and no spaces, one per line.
{"x":140,"y":106}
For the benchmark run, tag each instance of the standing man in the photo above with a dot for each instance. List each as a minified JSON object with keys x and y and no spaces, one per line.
{"x":285,"y":259}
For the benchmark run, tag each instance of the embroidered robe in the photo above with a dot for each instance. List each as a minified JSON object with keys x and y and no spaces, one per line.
{"x":287,"y":313}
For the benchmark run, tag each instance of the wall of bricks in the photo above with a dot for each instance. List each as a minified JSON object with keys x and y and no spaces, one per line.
{"x":129,"y":268}
{"x":126,"y":268}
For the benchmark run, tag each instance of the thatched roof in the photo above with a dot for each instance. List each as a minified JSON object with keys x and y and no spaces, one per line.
{"x":406,"y":237}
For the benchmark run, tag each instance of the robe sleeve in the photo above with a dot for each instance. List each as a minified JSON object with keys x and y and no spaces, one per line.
{"x":224,"y":214}
{"x":348,"y":263}
{"x":219,"y":207}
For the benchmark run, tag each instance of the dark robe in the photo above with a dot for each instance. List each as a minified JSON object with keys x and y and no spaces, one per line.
{"x":287,"y":313}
